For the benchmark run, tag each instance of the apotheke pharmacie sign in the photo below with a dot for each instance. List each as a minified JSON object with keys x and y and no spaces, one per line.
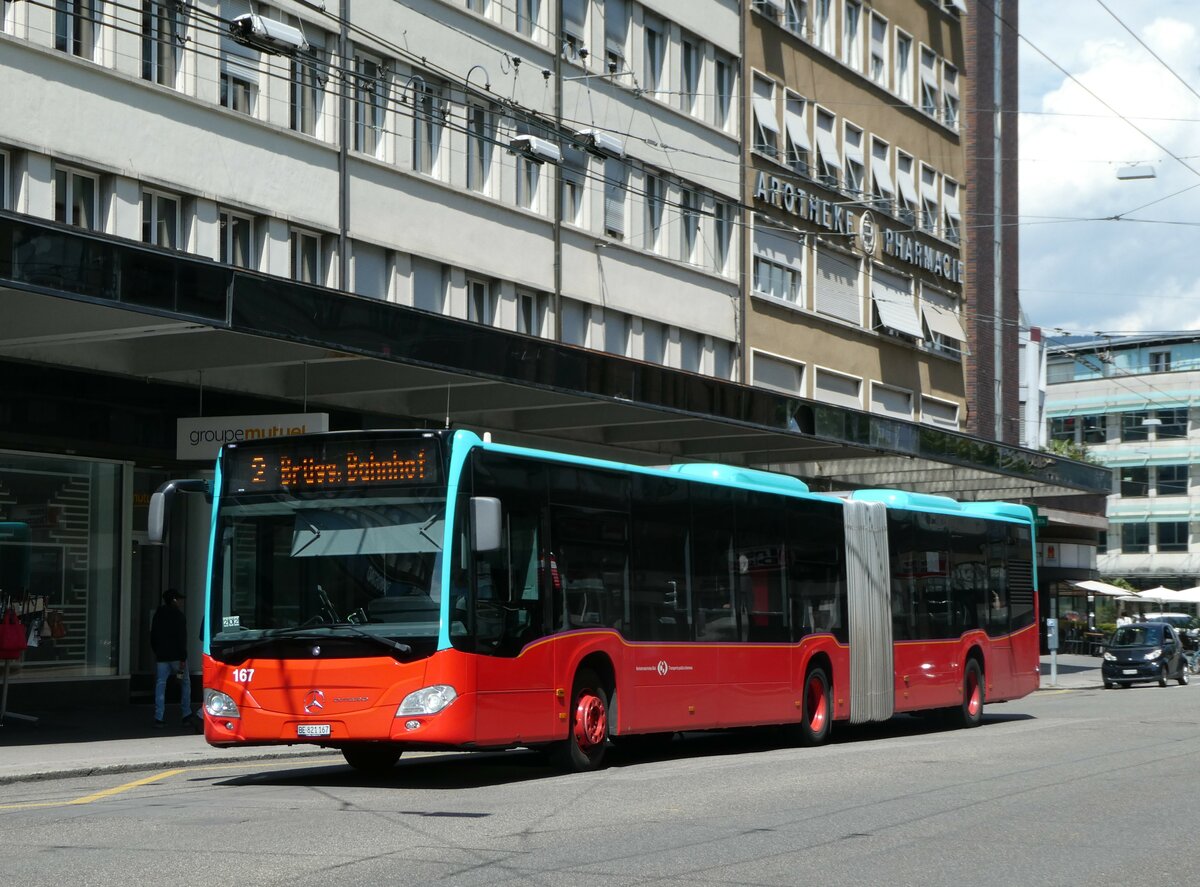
{"x":832,"y":216}
{"x":200,"y":439}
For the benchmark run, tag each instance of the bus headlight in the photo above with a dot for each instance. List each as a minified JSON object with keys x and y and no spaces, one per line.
{"x":219,"y":705}
{"x":427,"y":700}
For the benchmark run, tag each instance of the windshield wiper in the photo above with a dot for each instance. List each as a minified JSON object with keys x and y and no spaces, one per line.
{"x":425,"y":526}
{"x":313,"y":632}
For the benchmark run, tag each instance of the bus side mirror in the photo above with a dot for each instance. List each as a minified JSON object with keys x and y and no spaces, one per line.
{"x":486,"y":522}
{"x":160,"y":505}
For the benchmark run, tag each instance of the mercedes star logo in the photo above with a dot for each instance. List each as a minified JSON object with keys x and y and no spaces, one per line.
{"x":314,"y":701}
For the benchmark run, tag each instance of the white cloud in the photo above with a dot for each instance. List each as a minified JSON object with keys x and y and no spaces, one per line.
{"x":1115,"y":275}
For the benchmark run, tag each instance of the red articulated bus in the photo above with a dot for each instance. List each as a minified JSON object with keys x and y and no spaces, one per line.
{"x":376,"y":592}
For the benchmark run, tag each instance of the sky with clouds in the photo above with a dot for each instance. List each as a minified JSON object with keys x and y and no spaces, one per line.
{"x":1140,"y":273}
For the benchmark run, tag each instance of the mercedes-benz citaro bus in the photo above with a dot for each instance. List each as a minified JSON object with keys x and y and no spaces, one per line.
{"x":376,"y":592}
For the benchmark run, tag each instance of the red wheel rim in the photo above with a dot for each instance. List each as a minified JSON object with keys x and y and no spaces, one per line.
{"x":974,"y":695}
{"x":816,"y":704}
{"x":591,"y":720}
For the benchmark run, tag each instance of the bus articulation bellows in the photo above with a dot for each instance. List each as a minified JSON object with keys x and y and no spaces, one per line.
{"x":375,"y":592}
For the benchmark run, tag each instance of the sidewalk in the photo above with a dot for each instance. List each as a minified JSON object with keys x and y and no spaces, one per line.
{"x":82,"y":742}
{"x":1075,"y":672}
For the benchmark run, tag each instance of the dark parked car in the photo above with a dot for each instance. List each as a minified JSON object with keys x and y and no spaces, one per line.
{"x":1143,"y":651}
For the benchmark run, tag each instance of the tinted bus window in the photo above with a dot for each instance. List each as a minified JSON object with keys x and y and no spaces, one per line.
{"x":507,"y":605}
{"x":816,"y":568}
{"x":659,"y":593}
{"x":713,"y":564}
{"x":968,"y":573}
{"x":901,"y":542}
{"x":759,"y":555}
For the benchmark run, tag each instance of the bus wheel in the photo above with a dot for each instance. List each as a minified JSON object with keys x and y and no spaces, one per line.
{"x":376,"y":758}
{"x":816,"y":713}
{"x":587,"y":732}
{"x":970,"y":713}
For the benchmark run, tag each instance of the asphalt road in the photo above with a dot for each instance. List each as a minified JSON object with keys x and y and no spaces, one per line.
{"x":1073,"y":788}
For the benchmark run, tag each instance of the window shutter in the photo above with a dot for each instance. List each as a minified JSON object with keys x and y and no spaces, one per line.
{"x":837,"y":288}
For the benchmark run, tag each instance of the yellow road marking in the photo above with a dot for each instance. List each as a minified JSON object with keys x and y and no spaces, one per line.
{"x":166,"y":774}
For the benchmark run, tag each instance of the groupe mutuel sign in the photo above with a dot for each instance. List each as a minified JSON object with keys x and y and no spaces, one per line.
{"x":833,"y":216}
{"x":199,"y":439}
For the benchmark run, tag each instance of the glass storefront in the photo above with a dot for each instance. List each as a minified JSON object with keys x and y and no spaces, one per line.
{"x":60,"y":556}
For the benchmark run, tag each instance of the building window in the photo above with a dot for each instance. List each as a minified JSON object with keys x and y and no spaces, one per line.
{"x":237,"y":237}
{"x":929,"y":199}
{"x":906,"y":207}
{"x":307,"y":92}
{"x":903,"y":84}
{"x":75,"y":197}
{"x":1172,"y":536}
{"x":237,"y":93}
{"x":1160,"y":361}
{"x":724,"y":87}
{"x":655,"y":194}
{"x":572,"y":193}
{"x":829,"y":159}
{"x":776,"y":373}
{"x":1172,"y":423}
{"x":795,"y":17}
{"x":851,"y":31}
{"x":1135,"y":481}
{"x":942,"y":413}
{"x":428,"y":126}
{"x":528,"y":177}
{"x":837,"y":388}
{"x":370,"y":88}
{"x":950,"y":96}
{"x":689,"y":225}
{"x":483,"y":7}
{"x":722,"y":236}
{"x":615,"y":176}
{"x":691,"y":60}
{"x":951,"y":220}
{"x":655,"y":45}
{"x":855,"y":165}
{"x":1092,"y":430}
{"x":691,"y":351}
{"x":929,"y":86}
{"x":75,"y":26}
{"x":766,"y":126}
{"x":778,"y":264}
{"x":574,"y":24}
{"x":1134,"y":427}
{"x":481,"y":306}
{"x":877,"y":66}
{"x":837,"y":286}
{"x":3,"y":180}
{"x":306,"y":257}
{"x":480,"y":139}
{"x":823,"y":24}
{"x":795,"y":126}
{"x":1172,"y":480}
{"x":616,"y":33}
{"x":160,"y":219}
{"x":883,"y":190}
{"x":162,"y":40}
{"x":529,"y":15}
{"x":534,"y":311}
{"x":1135,"y":538}
{"x":1102,"y":542}
{"x":1063,"y":429}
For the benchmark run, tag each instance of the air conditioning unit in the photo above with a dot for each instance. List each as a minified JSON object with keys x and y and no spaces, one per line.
{"x":537,"y":150}
{"x":267,"y":34}
{"x":603,"y":144}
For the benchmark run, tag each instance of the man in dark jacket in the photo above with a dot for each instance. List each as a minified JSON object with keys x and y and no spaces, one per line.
{"x":168,"y":639}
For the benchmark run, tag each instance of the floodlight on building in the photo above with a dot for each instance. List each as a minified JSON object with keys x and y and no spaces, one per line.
{"x":535,"y":149}
{"x":267,"y":34}
{"x":602,"y":144}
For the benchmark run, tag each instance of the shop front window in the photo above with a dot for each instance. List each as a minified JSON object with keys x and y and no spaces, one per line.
{"x":60,"y":523}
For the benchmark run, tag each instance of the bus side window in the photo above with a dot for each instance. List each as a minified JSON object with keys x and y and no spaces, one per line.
{"x":713,"y":564}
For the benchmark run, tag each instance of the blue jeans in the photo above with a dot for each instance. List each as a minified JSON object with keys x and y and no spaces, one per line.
{"x":164,"y":670}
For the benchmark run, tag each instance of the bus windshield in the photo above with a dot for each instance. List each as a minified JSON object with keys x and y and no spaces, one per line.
{"x":354,"y":569}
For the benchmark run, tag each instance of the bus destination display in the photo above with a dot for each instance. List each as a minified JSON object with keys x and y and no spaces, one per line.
{"x":333,"y":467}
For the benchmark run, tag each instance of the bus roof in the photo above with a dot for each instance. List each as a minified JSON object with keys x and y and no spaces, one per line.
{"x":926,"y":502}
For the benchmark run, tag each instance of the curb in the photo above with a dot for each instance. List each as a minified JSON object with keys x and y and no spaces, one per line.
{"x":157,"y":764}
